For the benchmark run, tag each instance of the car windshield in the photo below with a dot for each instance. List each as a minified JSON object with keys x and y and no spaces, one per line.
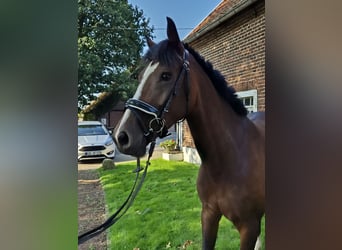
{"x":84,"y":130}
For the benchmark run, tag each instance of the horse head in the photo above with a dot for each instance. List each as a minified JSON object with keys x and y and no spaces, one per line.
{"x":161,"y":98}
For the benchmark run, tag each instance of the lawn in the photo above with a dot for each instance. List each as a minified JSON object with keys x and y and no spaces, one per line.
{"x":165,"y":214}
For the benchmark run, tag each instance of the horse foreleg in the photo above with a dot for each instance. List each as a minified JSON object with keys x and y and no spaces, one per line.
{"x":249,"y":233}
{"x":210,"y":223}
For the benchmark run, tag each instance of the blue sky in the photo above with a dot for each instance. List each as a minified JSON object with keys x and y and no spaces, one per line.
{"x":187,"y":14}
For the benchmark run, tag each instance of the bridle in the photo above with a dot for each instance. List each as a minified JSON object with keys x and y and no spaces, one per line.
{"x":156,"y":125}
{"x":156,"y":128}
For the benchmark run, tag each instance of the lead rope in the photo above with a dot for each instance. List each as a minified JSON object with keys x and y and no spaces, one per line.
{"x":126,"y":205}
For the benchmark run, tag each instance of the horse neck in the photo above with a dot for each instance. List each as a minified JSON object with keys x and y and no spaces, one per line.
{"x":215,"y":127}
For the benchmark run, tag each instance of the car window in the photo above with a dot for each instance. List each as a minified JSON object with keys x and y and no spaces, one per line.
{"x":84,"y":130}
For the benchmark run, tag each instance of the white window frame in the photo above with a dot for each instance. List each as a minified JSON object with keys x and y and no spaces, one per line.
{"x":250,"y":93}
{"x":104,"y":121}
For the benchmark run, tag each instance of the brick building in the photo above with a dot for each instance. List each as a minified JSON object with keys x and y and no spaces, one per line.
{"x":113,"y":117}
{"x":106,"y":108}
{"x":232,"y":38}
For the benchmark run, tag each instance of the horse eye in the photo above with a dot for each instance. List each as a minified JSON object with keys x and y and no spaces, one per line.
{"x":165,"y":76}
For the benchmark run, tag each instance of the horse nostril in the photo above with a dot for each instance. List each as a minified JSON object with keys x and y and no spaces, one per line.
{"x":123,"y":138}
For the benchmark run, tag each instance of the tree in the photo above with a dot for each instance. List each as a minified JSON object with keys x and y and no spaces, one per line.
{"x":111,"y":36}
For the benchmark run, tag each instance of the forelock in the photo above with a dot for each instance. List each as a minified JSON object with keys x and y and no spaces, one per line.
{"x":164,"y":53}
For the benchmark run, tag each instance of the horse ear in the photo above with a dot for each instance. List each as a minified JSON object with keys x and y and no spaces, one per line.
{"x":173,"y":36}
{"x":150,"y":43}
{"x":172,"y":33}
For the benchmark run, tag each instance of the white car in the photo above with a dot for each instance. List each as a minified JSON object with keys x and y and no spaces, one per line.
{"x":94,"y":141}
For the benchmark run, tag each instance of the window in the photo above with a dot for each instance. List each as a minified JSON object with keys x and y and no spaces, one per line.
{"x":86,"y":130}
{"x":249,"y":99}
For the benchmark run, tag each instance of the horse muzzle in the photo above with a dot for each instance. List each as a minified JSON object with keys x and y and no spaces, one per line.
{"x":128,"y":138}
{"x":141,"y":124}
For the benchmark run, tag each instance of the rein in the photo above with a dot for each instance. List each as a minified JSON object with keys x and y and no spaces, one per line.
{"x":156,"y":127}
{"x":126,"y":205}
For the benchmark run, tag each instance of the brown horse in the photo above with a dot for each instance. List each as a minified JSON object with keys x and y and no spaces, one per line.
{"x":178,"y":83}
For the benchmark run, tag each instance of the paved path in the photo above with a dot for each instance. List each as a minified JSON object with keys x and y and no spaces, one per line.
{"x":86,"y":165}
{"x":91,"y":208}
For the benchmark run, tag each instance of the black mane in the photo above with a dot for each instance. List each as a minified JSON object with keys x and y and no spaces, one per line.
{"x":226,"y":92}
{"x":166,"y":54}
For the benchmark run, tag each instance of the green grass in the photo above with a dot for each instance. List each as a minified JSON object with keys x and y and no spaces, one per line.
{"x":165,"y":214}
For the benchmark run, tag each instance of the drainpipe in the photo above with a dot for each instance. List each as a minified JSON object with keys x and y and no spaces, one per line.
{"x":179,"y":136}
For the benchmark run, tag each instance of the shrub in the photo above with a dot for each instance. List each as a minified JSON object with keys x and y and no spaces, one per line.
{"x":168,"y":145}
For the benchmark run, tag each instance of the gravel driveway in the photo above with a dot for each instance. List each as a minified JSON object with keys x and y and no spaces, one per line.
{"x":91,"y":207}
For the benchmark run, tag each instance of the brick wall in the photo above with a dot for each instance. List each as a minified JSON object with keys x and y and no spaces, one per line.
{"x":237,"y":49}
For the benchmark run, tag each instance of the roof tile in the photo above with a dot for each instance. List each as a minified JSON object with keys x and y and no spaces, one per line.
{"x":223,"y":8}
